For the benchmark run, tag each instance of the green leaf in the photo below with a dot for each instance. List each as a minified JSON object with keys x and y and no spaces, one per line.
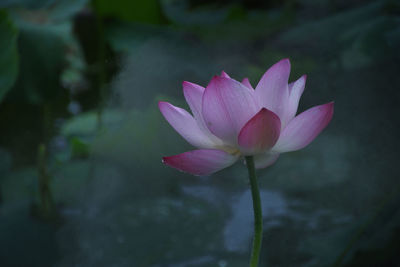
{"x":8,"y":54}
{"x":86,"y":124}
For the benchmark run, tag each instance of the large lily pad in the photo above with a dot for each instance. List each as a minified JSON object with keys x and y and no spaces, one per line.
{"x":42,"y":59}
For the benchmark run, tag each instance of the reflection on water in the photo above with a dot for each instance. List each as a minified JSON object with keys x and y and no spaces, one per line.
{"x":238,"y":231}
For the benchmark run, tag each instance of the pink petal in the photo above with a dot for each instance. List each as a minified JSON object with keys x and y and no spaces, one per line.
{"x":201,"y":162}
{"x":264,"y":160}
{"x":272,"y":90}
{"x":304,"y":128}
{"x":260,"y":133}
{"x":247,"y":83}
{"x":227,"y":106}
{"x":185,"y":125}
{"x":296,"y":89}
{"x":224,"y":74}
{"x":194,"y":96}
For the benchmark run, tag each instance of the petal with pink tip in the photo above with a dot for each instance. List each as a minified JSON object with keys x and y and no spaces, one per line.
{"x":264,"y":160}
{"x":296,"y":89}
{"x":260,"y":133}
{"x":201,"y":162}
{"x":224,"y":74}
{"x":193,"y":94}
{"x":304,"y":128}
{"x":185,"y":125}
{"x":272,"y":90}
{"x":247,"y":83}
{"x":227,"y":106}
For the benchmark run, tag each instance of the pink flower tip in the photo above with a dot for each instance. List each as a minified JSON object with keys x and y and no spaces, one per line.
{"x":168,"y":161}
{"x":285,"y":60}
{"x":215,"y":79}
{"x":161,"y":103}
{"x":224,"y":74}
{"x":331,"y":105}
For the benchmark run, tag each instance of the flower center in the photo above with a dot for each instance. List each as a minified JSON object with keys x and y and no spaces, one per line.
{"x":229,"y":149}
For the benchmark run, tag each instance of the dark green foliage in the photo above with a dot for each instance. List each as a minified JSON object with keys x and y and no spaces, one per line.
{"x":148,"y":11}
{"x":42,"y":58}
{"x":8,"y":54}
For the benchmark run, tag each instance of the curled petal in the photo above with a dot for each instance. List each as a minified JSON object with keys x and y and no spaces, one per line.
{"x":185,"y":125}
{"x":227,"y":106}
{"x":260,"y":133}
{"x":247,"y":83}
{"x":201,"y":162}
{"x":272,"y":90}
{"x":304,"y":128}
{"x":296,"y":89}
{"x":266,"y":159}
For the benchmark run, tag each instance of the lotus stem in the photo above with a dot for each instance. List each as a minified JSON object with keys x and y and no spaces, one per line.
{"x":258,"y":227}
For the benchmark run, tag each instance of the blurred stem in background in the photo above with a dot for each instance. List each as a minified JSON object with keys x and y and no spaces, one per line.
{"x":46,"y":207}
{"x":46,"y":124}
{"x":258,"y":227}
{"x":101,"y":69}
{"x":100,"y":73}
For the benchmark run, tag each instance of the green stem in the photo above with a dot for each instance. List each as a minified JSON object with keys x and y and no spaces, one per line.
{"x":258,"y":228}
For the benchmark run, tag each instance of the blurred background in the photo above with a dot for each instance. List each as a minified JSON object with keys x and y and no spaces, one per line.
{"x":81,"y":178}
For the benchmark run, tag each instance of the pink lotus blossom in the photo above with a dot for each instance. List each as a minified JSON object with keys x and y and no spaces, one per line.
{"x":231,"y":119}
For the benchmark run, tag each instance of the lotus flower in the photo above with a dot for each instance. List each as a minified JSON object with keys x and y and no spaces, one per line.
{"x":231,"y":119}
